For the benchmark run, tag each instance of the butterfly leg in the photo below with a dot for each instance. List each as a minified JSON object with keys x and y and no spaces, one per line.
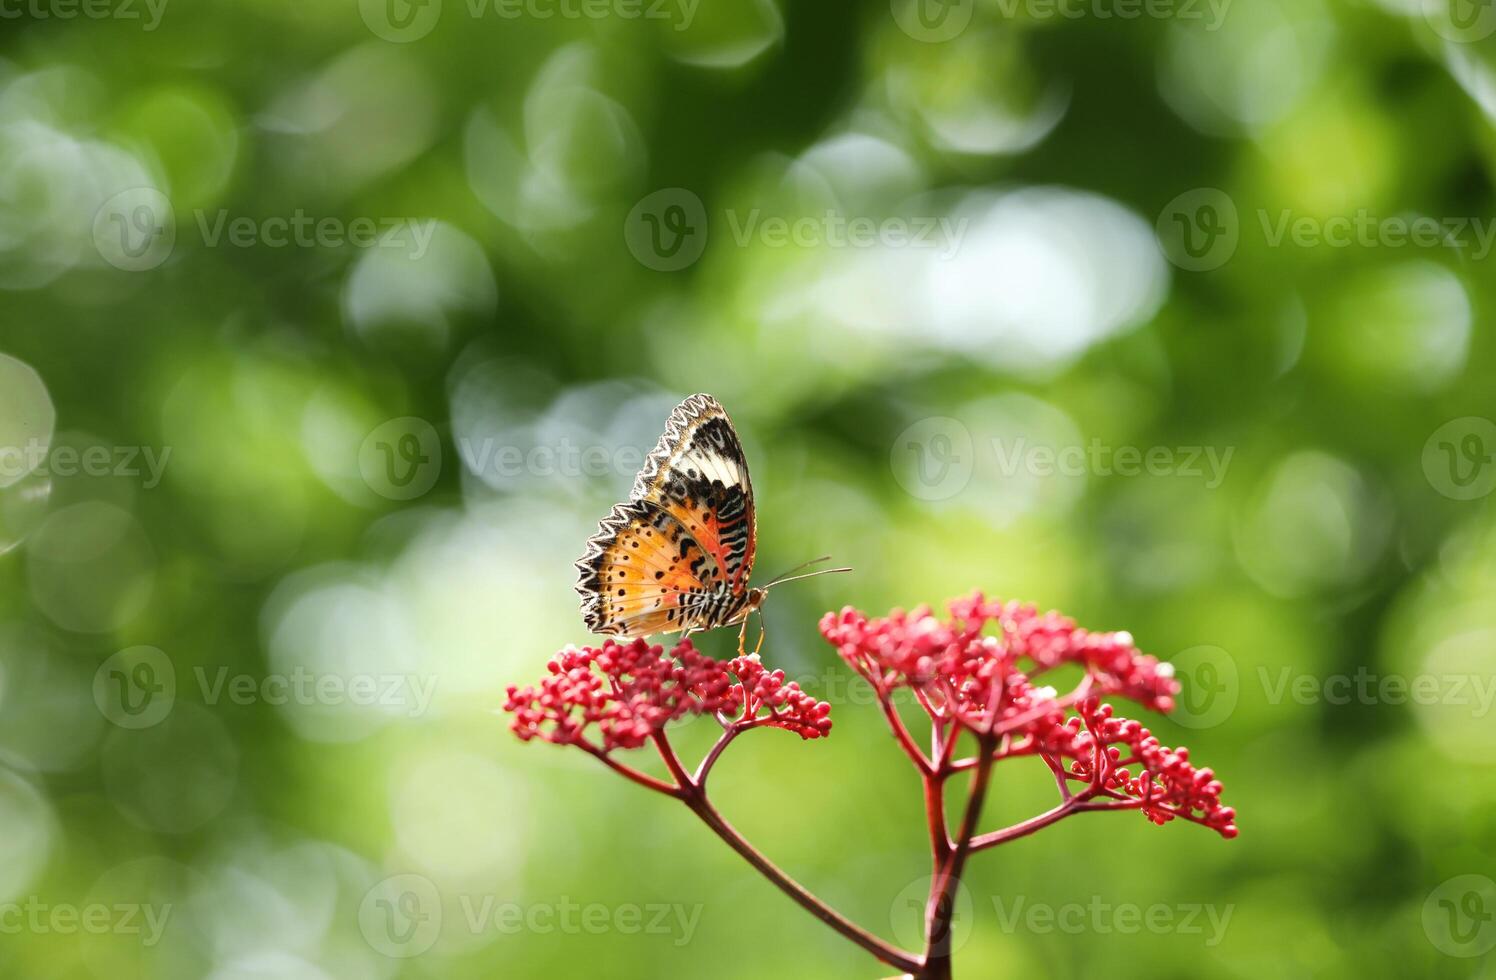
{"x":742,"y":633}
{"x":763,"y":631}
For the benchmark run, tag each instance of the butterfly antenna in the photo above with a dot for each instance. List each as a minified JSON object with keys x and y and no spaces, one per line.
{"x":804,"y":564}
{"x":796,"y":578}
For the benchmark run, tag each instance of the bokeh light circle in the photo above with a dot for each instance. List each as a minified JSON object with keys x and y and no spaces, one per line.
{"x":27,"y":421}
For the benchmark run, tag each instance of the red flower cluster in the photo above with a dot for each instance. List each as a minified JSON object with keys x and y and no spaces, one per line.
{"x":628,"y":692}
{"x":760,"y":689}
{"x":1047,"y":640}
{"x":1167,"y":785}
{"x":972,"y":674}
{"x":956,"y":662}
{"x":982,"y":681}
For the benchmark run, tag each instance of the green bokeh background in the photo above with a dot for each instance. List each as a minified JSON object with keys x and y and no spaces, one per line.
{"x":1341,"y":372}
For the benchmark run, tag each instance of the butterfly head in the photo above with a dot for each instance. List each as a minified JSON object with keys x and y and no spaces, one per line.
{"x":756,"y":596}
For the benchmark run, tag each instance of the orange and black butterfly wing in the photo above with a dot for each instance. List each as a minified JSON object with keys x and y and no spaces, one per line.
{"x":644,"y":573}
{"x":698,"y":474}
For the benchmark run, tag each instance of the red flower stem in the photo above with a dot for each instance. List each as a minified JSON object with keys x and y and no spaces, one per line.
{"x":901,"y":733}
{"x":938,"y":750}
{"x":947,"y":877}
{"x":672,"y":762}
{"x":1076,"y":804}
{"x":693,"y":793}
{"x":1026,"y":827}
{"x":940,"y":842}
{"x":1058,"y":768}
{"x":924,"y":702}
{"x":949,"y":739}
{"x":723,"y":741}
{"x":629,"y":772}
{"x":897,"y":958}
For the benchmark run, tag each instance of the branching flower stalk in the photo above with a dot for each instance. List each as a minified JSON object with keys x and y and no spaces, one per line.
{"x":972,"y":675}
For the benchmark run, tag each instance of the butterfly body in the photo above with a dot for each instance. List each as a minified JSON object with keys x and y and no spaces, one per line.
{"x":676,"y":556}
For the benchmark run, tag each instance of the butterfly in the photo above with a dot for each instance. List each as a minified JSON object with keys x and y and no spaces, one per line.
{"x":676,"y":556}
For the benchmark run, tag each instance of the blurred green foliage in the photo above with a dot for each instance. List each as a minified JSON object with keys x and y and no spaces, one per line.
{"x":337,"y":326}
